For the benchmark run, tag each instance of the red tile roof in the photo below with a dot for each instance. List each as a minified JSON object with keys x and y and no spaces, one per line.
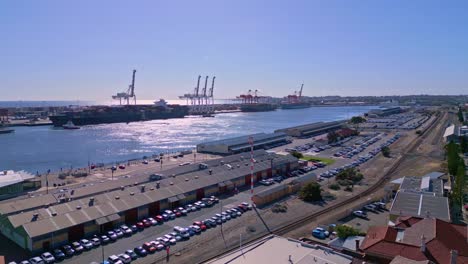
{"x":441,"y":237}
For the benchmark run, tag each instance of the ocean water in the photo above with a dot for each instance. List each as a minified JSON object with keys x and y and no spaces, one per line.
{"x":42,"y":148}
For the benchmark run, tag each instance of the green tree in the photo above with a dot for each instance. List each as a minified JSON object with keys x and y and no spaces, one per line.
{"x":311,"y":192}
{"x":344,"y":231}
{"x":463,"y":144}
{"x":385,"y":152}
{"x":459,"y":185}
{"x":452,"y":157}
{"x":332,"y":136}
{"x":356,"y":120}
{"x":297,"y":154}
{"x":460,"y":115}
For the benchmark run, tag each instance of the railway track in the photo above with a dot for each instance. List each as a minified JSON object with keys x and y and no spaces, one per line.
{"x":379,"y":184}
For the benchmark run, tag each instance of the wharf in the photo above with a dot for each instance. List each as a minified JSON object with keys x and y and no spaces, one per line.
{"x":42,"y":122}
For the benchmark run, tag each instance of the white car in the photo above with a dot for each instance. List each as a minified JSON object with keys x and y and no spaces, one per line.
{"x":360,"y":214}
{"x":47,"y":257}
{"x":125,"y":258}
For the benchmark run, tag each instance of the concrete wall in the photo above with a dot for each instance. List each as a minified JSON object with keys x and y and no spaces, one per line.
{"x":211,"y":190}
{"x":90,"y":229}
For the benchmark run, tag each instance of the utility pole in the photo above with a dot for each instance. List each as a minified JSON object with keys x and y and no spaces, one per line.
{"x":251,"y":142}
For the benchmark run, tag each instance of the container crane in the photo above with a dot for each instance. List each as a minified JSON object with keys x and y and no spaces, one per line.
{"x":129,"y":94}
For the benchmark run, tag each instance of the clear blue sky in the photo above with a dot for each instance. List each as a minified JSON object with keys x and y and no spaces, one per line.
{"x":54,"y":50}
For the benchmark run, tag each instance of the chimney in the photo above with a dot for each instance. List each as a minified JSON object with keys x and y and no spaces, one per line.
{"x":356,"y":243}
{"x":453,"y":256}
{"x":423,"y":244}
{"x":210,"y":172}
{"x":142,"y":188}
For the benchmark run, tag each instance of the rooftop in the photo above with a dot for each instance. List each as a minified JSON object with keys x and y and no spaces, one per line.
{"x":281,"y":250}
{"x":64,"y":208}
{"x":259,"y":137}
{"x":438,"y":236}
{"x":11,"y":177}
{"x":422,"y":184}
{"x":420,"y":204}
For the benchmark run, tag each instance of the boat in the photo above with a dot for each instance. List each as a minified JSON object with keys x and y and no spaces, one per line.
{"x":208,"y":115}
{"x":252,"y":102}
{"x":5,"y":130}
{"x":70,"y":125}
{"x":295,"y":101}
{"x":94,"y":115}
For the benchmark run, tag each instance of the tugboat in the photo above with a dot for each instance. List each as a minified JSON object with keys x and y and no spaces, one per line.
{"x":70,"y":125}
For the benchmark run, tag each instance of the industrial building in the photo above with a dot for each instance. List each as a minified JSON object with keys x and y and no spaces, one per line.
{"x":241,"y":144}
{"x":420,"y":197}
{"x":453,"y":133}
{"x":384,"y":111}
{"x":65,"y":215}
{"x":13,"y":183}
{"x":274,"y":249}
{"x":283,"y":189}
{"x":312,"y":129}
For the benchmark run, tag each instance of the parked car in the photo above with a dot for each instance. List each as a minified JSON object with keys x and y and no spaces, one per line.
{"x":131,"y":253}
{"x":86,"y":244}
{"x":77,"y":247}
{"x":96,"y":241}
{"x":112,"y":236}
{"x":68,"y":250}
{"x":318,"y":234}
{"x":126,"y":259}
{"x":126,"y":230}
{"x":36,"y":260}
{"x":360,"y":214}
{"x":47,"y":257}
{"x":370,"y":207}
{"x":140,"y":251}
{"x":59,"y":255}
{"x":150,"y":248}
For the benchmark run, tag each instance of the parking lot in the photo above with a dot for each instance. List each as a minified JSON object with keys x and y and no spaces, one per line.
{"x":374,"y":218}
{"x":403,"y":121}
{"x":97,"y":254}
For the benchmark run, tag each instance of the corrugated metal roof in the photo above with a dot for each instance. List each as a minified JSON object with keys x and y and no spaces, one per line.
{"x":107,"y":203}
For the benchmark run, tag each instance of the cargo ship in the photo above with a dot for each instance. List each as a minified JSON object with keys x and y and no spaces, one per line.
{"x":252,"y":102}
{"x":94,"y":115}
{"x":295,"y":101}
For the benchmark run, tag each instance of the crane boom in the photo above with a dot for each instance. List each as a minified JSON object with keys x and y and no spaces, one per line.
{"x":300,"y":91}
{"x":204,"y":88}
{"x":198,"y":86}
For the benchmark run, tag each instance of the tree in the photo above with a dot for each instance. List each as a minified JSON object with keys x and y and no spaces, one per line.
{"x":356,"y":120}
{"x":459,"y":185}
{"x":332,"y":137}
{"x":386,"y":152}
{"x":452,"y":157}
{"x":297,"y":154}
{"x":463,"y":144}
{"x":311,"y":192}
{"x":344,"y":231}
{"x":460,"y":115}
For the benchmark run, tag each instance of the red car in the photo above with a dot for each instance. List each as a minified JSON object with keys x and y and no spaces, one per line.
{"x":122,"y":167}
{"x":200,"y":224}
{"x":159,"y":218}
{"x":146,"y":223}
{"x":140,"y":225}
{"x":149,"y":247}
{"x":177,"y":213}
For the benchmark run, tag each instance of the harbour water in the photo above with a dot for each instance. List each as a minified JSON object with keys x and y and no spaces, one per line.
{"x":42,"y":148}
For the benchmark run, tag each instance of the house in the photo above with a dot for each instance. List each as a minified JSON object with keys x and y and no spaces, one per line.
{"x":419,"y":239}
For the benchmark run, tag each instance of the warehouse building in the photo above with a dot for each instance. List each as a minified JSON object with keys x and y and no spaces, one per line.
{"x":384,"y":111}
{"x":312,"y":129}
{"x":241,"y":144}
{"x":50,"y":220}
{"x":421,"y":197}
{"x":13,"y":183}
{"x":278,"y":191}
